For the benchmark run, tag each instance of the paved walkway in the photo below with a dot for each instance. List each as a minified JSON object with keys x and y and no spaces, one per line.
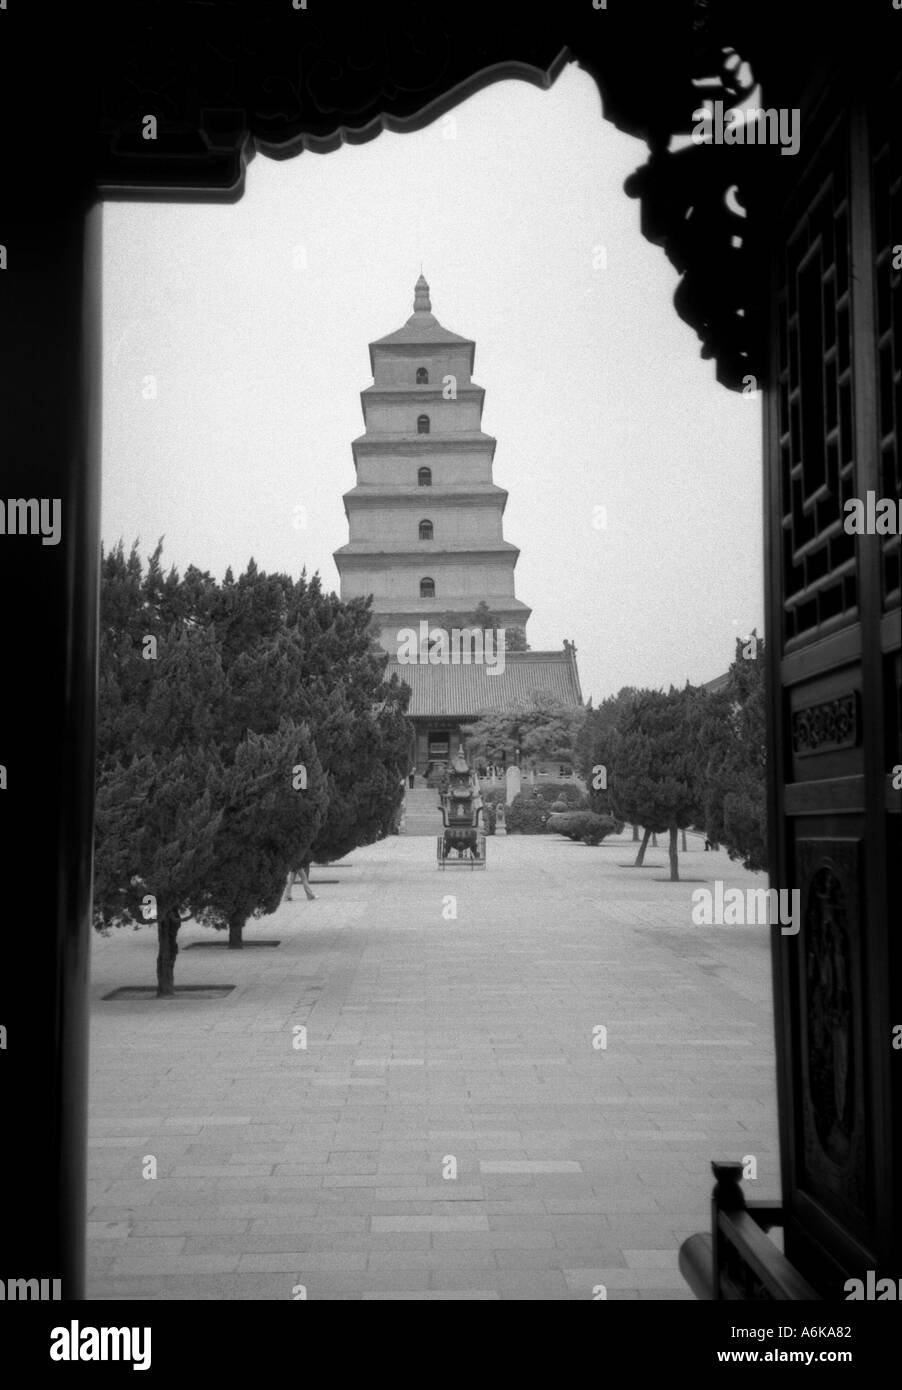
{"x":434,"y":1042}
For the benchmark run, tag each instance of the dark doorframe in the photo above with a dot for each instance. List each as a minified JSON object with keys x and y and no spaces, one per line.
{"x":50,"y":413}
{"x":217,"y":93}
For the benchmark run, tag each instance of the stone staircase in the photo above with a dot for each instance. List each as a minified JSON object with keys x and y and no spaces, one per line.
{"x":421,"y":813}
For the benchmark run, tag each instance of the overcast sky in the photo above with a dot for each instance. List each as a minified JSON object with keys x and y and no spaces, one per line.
{"x":255,"y":318}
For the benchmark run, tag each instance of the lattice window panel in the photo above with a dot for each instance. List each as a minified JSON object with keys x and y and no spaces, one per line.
{"x":886,"y":181}
{"x":815,"y":403}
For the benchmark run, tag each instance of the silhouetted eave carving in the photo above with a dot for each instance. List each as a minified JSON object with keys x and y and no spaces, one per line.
{"x":698,"y":205}
{"x":242,"y":78}
{"x":227,"y":79}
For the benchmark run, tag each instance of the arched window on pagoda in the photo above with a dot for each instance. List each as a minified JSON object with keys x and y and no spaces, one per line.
{"x":422,"y":424}
{"x":422,"y":376}
{"x":424,"y":477}
{"x":425,"y":530}
{"x":427,"y":588}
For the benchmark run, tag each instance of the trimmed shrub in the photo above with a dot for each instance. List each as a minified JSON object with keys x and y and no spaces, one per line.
{"x":584,"y":826}
{"x":597,"y":828}
{"x":527,"y":816}
{"x":561,"y":822}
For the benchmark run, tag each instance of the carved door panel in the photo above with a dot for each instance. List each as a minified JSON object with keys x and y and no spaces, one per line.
{"x":833,"y":626}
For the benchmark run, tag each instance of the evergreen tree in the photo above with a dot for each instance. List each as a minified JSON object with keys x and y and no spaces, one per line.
{"x":593,"y":752}
{"x":366,"y":757}
{"x":246,"y":690}
{"x":271,"y":799}
{"x":548,"y":729}
{"x":541,"y":728}
{"x":326,"y":671}
{"x":731,"y":741}
{"x":515,"y":639}
{"x":485,"y":620}
{"x":654,"y":778}
{"x":157,"y":816}
{"x":130,"y":632}
{"x":292,"y":652}
{"x":493,"y":737}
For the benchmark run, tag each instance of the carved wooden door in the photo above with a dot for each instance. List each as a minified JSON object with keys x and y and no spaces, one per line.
{"x":831,"y":435}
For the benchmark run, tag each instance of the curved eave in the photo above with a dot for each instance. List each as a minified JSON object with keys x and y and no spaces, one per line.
{"x":417,"y":393}
{"x":449,"y":494}
{"x":363,"y":552}
{"x":414,"y":395}
{"x":407,"y":347}
{"x":386,"y":608}
{"x":467,"y":441}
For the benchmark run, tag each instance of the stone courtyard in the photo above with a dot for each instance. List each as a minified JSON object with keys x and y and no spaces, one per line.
{"x":454,"y":1127}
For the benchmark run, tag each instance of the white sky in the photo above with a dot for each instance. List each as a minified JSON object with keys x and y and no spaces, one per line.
{"x":594,"y":387}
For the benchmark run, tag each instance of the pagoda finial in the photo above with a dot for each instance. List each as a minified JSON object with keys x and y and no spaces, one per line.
{"x":421,"y":300}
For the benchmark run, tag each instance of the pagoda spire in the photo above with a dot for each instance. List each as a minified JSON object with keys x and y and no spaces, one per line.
{"x":421,"y":301}
{"x":425,"y":517}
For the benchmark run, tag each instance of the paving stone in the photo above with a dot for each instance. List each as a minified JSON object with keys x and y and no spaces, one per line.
{"x":531,"y":1166}
{"x":575,"y":1167}
{"x":138,"y":1247}
{"x":625,"y":1278}
{"x":303,"y":1260}
{"x":312,"y":1225}
{"x":532,"y":1285}
{"x":439,"y":1224}
{"x":434,"y":1295}
{"x":166,"y":1264}
{"x":448,"y":1192}
{"x":112,"y":1230}
{"x":208,"y":1229}
{"x":651,"y":1259}
{"x":424,"y":1259}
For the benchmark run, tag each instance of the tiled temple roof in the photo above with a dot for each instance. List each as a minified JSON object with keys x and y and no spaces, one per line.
{"x":718,"y":684}
{"x":464,"y":691}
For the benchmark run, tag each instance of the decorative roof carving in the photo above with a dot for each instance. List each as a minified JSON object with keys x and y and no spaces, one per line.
{"x":224,"y":78}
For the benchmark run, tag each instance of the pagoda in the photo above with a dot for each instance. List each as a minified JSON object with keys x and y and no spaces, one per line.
{"x":425,"y":517}
{"x":426,"y":536}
